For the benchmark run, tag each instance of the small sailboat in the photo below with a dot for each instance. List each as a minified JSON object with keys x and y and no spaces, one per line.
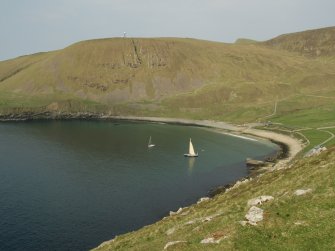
{"x":150,"y":143}
{"x":191,"y":152}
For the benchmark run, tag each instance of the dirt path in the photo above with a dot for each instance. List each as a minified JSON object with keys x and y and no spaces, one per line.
{"x":329,"y":139}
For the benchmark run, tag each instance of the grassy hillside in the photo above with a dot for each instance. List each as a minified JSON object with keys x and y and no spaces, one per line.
{"x":290,"y":222}
{"x":245,"y":41}
{"x":170,"y":76}
{"x":312,"y":43}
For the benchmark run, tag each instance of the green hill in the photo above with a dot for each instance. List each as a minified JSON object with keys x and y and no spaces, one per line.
{"x":245,"y":41}
{"x":164,"y":77}
{"x":118,"y":71}
{"x":313,"y":43}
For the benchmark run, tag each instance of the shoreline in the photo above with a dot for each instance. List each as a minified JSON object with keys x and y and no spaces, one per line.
{"x":293,"y":146}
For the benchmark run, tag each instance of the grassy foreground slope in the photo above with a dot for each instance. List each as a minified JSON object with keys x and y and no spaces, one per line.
{"x":291,"y":222}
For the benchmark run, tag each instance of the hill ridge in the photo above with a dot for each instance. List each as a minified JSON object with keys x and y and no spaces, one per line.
{"x":176,"y":77}
{"x":312,"y":43}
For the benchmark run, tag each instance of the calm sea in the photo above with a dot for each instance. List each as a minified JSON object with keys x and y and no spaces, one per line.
{"x":70,"y":185}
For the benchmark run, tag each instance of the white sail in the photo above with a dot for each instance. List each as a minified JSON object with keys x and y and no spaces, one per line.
{"x":191,"y":149}
{"x":150,"y":143}
{"x":191,"y":152}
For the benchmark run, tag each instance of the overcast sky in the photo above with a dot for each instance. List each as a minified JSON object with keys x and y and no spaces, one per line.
{"x":29,"y":26}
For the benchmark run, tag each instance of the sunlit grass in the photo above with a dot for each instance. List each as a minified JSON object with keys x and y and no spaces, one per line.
{"x":291,"y":222}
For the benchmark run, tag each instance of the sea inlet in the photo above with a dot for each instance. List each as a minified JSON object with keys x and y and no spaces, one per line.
{"x":70,"y":185}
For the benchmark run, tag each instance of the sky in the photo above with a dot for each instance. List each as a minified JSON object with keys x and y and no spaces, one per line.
{"x":30,"y":26}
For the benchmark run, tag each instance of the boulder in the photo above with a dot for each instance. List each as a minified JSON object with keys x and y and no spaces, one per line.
{"x":302,"y":191}
{"x":259,"y":200}
{"x":254,"y":215}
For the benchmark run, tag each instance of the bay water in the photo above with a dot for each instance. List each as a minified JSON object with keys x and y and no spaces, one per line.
{"x":70,"y":185}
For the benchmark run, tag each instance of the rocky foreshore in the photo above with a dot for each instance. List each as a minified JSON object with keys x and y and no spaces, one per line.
{"x":48,"y":115}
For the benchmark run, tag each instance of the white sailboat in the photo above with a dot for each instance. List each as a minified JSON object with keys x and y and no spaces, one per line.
{"x":191,"y":152}
{"x":150,"y":143}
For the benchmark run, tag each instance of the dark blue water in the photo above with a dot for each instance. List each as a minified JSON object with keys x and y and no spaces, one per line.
{"x":72,"y":185}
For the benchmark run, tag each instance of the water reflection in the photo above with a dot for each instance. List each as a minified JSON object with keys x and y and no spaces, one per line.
{"x":191,"y":162}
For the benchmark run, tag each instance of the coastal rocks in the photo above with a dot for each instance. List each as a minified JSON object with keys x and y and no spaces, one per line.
{"x":185,"y":213}
{"x":180,"y":211}
{"x":203,"y":199}
{"x":172,"y":243}
{"x":259,"y":200}
{"x":219,"y":190}
{"x":281,"y":165}
{"x":239,"y":183}
{"x":316,"y":151}
{"x":175,"y":213}
{"x":255,"y":163}
{"x":300,"y":192}
{"x":53,"y":111}
{"x":254,"y":215}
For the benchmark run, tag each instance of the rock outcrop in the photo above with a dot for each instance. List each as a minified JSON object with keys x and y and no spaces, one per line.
{"x":259,"y":200}
{"x":300,"y":192}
